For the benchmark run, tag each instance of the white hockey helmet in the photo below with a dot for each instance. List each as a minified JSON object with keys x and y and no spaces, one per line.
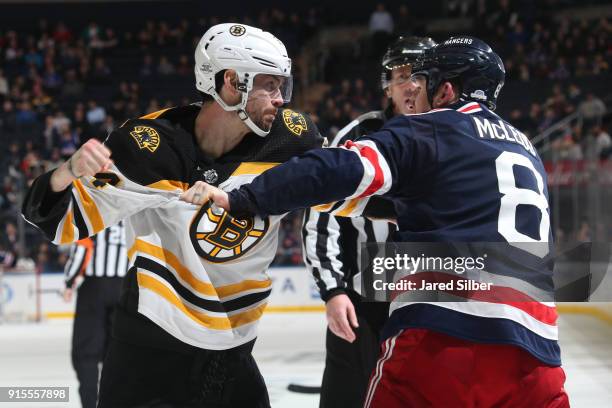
{"x":247,"y":50}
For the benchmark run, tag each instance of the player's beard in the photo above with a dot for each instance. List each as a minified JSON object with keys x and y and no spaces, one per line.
{"x":260,"y":119}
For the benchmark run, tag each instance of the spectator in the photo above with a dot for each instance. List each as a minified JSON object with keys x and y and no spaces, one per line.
{"x":561,"y":70}
{"x":25,"y":116}
{"x":117,"y":109}
{"x":60,"y":121}
{"x":68,"y":143}
{"x":91,"y":32}
{"x":95,"y":113}
{"x":108,"y":126}
{"x":592,"y":109}
{"x":603,"y":143}
{"x":100,"y":73}
{"x":381,"y":20}
{"x":184,"y":67}
{"x":33,"y":58}
{"x":52,"y":81}
{"x":4,"y":85}
{"x":600,"y":65}
{"x":41,"y":102}
{"x":574,"y":94}
{"x":110,"y":39}
{"x":8,"y":117}
{"x":381,"y":29}
{"x":73,"y":87}
{"x":147,"y":69}
{"x":165,"y":67}
{"x":55,"y":159}
{"x":61,"y":34}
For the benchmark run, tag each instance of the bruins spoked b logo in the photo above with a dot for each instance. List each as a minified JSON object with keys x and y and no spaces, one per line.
{"x":219,"y":237}
{"x":237,"y":30}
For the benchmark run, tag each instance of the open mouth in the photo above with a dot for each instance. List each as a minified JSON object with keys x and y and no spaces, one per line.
{"x":409,"y":104}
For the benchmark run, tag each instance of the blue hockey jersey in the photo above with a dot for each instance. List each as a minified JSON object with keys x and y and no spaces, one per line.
{"x":459,"y":174}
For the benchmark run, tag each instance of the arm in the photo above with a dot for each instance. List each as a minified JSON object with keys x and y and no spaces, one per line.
{"x":87,"y":204}
{"x":353,"y":171}
{"x":323,"y":258}
{"x":401,"y":159}
{"x":322,"y":253}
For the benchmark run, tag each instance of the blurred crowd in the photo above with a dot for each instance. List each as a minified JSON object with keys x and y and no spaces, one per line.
{"x":61,"y":84}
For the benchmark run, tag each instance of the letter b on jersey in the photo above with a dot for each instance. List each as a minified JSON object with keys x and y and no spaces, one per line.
{"x":219,"y":237}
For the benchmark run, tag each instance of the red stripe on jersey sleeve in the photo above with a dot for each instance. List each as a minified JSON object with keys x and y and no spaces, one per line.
{"x":372,"y":156}
{"x":469,"y":108}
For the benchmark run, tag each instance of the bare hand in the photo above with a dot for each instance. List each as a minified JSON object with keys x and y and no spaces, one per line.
{"x":91,"y":158}
{"x":68,"y":292}
{"x":201,"y":192}
{"x":340,"y":311}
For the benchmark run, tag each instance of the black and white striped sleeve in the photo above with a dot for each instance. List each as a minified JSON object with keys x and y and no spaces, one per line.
{"x":322,"y":252}
{"x":75,"y":264}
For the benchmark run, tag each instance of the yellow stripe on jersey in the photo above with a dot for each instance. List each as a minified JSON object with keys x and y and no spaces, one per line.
{"x":67,"y":230}
{"x":206,"y":288}
{"x":90,"y":207}
{"x":323,"y":207}
{"x":346,"y":211}
{"x":169,"y":258}
{"x":229,"y":290}
{"x":218,"y":323}
{"x":211,"y":322}
{"x":154,"y":115}
{"x":169,"y":185}
{"x":253,"y":168}
{"x":249,"y":316}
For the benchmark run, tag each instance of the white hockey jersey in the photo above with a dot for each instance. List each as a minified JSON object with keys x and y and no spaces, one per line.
{"x":195,"y":271}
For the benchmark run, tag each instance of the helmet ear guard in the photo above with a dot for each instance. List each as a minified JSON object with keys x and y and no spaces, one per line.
{"x":434,"y":80}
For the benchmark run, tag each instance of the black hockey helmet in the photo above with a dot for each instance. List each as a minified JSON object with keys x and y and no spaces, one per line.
{"x":477,"y":69}
{"x":403,"y":51}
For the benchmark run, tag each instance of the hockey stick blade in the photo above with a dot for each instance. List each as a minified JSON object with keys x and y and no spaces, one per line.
{"x":304,"y":389}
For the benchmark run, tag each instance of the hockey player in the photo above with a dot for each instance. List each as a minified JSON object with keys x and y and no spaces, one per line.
{"x":332,"y":247}
{"x":197,"y":283}
{"x":459,"y":173}
{"x":99,"y":263}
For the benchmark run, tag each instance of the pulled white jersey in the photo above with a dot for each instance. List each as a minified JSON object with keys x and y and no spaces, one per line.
{"x":194,"y":271}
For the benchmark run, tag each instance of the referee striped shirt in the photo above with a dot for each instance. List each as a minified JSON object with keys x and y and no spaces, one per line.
{"x":103,"y":255}
{"x":332,"y":245}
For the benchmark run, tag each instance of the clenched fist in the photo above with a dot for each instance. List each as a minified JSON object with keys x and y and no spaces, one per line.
{"x":91,"y":158}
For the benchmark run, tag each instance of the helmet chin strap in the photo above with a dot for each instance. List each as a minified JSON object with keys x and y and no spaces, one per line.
{"x":247,"y":120}
{"x":240,"y":110}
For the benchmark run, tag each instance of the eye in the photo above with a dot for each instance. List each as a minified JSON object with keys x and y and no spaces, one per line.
{"x":270,"y":86}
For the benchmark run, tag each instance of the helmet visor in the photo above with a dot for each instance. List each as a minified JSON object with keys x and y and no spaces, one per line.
{"x":272,"y":86}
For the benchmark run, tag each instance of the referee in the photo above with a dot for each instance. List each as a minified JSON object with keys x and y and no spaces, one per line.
{"x":98,"y":264}
{"x":332,"y":250}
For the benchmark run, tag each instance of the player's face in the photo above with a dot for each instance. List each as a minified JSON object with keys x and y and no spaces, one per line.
{"x":264,"y":100}
{"x":402,"y":90}
{"x":421,"y":103}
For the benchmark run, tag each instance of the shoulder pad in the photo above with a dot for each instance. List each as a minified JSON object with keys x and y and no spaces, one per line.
{"x":145,"y":151}
{"x":297,"y":127}
{"x":294,"y":123}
